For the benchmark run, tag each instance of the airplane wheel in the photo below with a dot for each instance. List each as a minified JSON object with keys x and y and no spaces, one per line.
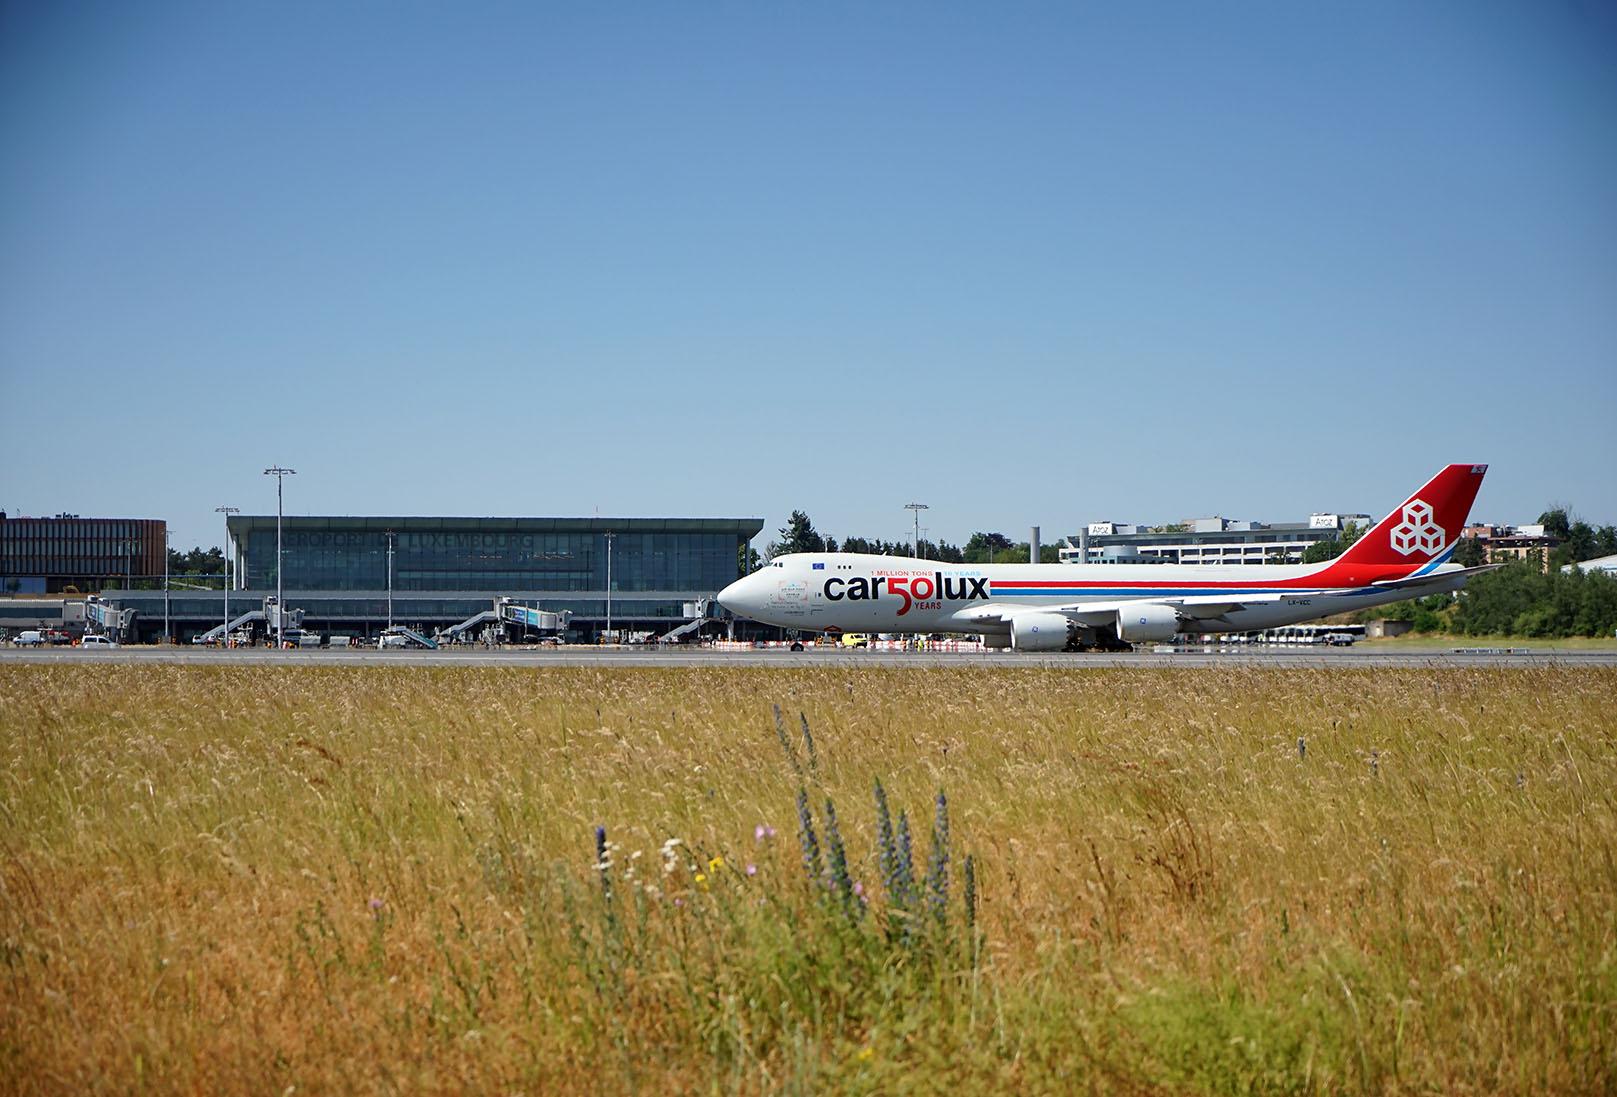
{"x":796,"y":646}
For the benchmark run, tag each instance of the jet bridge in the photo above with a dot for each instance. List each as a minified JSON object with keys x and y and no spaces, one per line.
{"x":506,"y":617}
{"x":529,"y":619}
{"x":108,"y":618}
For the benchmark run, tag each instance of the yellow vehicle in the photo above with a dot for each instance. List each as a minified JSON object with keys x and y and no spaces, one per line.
{"x":855,"y":640}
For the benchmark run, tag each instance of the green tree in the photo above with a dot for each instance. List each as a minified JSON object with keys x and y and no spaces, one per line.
{"x":984,"y":548}
{"x":199,"y":561}
{"x":1469,"y":552}
{"x":1578,"y":545}
{"x":875,"y":546}
{"x":942,"y":551}
{"x":1321,"y":551}
{"x":1521,"y":600}
{"x":797,"y":535}
{"x":1332,"y":547}
{"x":1557,"y":521}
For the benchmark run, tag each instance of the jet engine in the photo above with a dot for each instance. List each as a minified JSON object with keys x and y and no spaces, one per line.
{"x":1147,"y":621}
{"x":1040,"y":632}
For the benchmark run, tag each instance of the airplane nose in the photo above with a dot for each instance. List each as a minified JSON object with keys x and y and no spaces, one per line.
{"x":731,"y":599}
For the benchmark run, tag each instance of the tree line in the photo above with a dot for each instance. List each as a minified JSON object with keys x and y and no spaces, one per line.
{"x":199,"y":561}
{"x":1519,"y":599}
{"x":799,"y":535}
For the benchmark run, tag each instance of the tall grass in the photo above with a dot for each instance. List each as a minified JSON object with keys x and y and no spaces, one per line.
{"x":243,"y":879}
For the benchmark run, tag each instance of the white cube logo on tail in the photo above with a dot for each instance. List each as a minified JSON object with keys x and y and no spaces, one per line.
{"x":1417,"y":532}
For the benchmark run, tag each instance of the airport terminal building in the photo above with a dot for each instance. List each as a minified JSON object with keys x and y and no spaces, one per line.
{"x":338,"y":571}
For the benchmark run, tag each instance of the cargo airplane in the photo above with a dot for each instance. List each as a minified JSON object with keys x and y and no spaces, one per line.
{"x":1056,"y":607}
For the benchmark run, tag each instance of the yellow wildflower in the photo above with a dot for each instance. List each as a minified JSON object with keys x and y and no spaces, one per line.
{"x":701,"y":880}
{"x":866,"y":1054}
{"x":715,"y":864}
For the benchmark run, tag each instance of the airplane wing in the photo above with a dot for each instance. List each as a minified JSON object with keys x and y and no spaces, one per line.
{"x":1204,"y":607}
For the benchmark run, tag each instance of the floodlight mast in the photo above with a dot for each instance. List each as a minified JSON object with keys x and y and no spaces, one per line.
{"x":916,"y":509}
{"x":390,"y":579}
{"x":280,"y":475}
{"x":609,"y":536}
{"x":224,"y":641}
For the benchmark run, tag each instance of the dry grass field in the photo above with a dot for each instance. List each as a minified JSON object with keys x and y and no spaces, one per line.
{"x":278,"y":880}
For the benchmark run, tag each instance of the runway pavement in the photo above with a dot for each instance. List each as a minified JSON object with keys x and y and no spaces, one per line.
{"x":581,"y":656}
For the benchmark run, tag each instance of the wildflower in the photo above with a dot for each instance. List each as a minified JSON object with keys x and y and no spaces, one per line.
{"x":904,"y":869}
{"x":701,"y":880}
{"x":937,"y":874}
{"x":837,"y":869}
{"x":805,"y":834}
{"x":752,"y":869}
{"x":808,"y":743}
{"x":762,"y":832}
{"x":786,"y":742}
{"x":670,"y":857}
{"x":859,"y":888}
{"x":714,"y":864}
{"x":376,"y":904}
{"x":971,"y":890}
{"x":887,"y":852}
{"x":866,"y":1054}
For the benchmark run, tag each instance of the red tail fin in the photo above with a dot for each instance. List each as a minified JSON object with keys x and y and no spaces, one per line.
{"x":1425,"y":529}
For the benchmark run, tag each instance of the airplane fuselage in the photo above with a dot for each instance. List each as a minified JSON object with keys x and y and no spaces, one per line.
{"x":1044,"y":607}
{"x":854,"y":592}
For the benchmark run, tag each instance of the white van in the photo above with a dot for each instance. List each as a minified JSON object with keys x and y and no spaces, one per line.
{"x":29,"y":638}
{"x":91,"y":641}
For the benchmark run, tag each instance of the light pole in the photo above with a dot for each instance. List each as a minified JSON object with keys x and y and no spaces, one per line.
{"x":609,"y":536}
{"x":224,"y":640}
{"x":280,"y":475}
{"x":916,"y":509}
{"x":165,"y":583}
{"x":389,"y":578}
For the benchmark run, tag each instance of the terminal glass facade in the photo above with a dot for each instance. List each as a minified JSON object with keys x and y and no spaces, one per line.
{"x":492,"y":554}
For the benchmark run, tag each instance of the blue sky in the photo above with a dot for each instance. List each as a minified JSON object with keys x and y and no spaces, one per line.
{"x":1025,"y":263}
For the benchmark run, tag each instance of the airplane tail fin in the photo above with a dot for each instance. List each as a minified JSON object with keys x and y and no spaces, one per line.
{"x":1425,"y":529}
